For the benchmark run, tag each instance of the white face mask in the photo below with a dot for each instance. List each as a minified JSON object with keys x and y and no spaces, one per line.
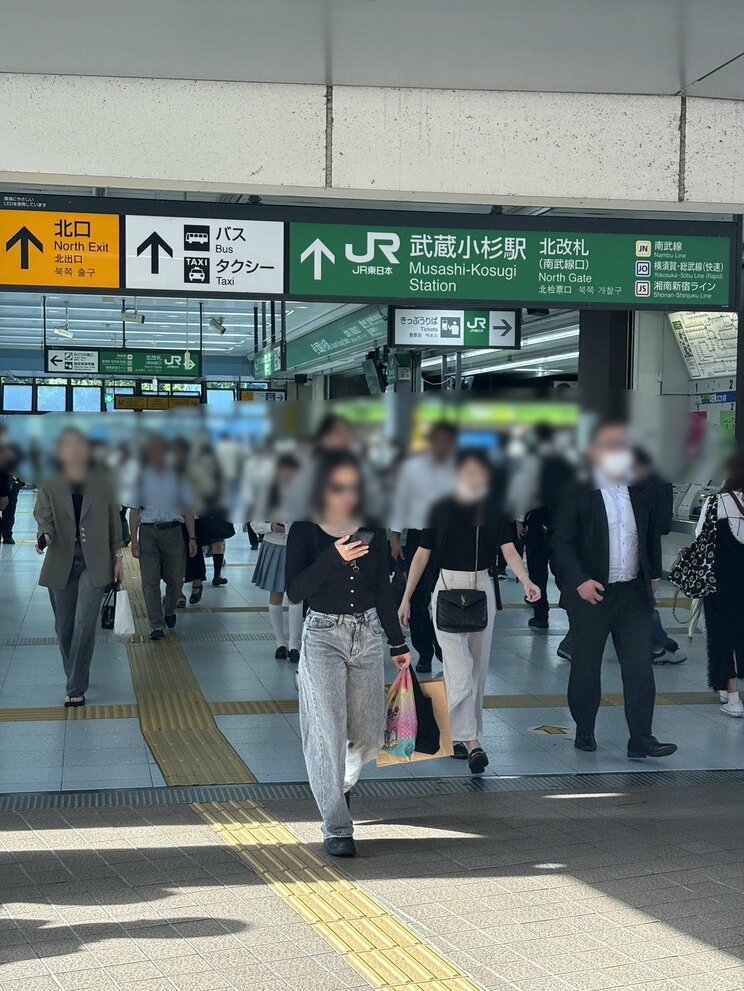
{"x":464,"y":494}
{"x":617,"y":464}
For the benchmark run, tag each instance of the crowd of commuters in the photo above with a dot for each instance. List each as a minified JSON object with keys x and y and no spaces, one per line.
{"x":333,"y":525}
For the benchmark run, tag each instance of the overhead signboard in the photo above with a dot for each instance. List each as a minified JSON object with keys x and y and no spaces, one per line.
{"x":154,"y":402}
{"x":707,"y":342}
{"x":399,"y":257}
{"x":59,"y":249}
{"x":361,"y":329}
{"x":453,"y":329}
{"x":124,"y":361}
{"x":543,"y":267}
{"x":192,"y":253}
{"x":267,"y":362}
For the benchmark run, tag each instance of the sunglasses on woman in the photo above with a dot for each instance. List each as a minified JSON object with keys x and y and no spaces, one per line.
{"x":338,"y":489}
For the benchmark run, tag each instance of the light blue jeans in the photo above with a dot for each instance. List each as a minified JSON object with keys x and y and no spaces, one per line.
{"x":342,"y":707}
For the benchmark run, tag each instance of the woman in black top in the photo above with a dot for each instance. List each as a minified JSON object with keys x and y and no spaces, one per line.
{"x":460,"y":527}
{"x":341,"y":676}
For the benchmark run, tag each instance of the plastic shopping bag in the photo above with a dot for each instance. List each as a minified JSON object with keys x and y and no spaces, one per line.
{"x":123,"y":619}
{"x":436,"y":691}
{"x":400,"y":732}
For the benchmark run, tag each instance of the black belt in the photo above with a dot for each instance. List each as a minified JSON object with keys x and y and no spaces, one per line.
{"x":164,"y":526}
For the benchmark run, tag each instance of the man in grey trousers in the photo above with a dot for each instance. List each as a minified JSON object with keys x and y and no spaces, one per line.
{"x":156,"y":524}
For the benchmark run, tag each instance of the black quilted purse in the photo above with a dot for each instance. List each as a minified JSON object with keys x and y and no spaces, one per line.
{"x":693,"y":572}
{"x":463,"y":610}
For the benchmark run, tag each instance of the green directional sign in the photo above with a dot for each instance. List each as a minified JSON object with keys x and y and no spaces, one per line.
{"x":124,"y":361}
{"x":364,"y":327}
{"x":547,"y":268}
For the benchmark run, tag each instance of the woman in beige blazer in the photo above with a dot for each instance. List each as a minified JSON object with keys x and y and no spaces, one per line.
{"x":79,"y":530}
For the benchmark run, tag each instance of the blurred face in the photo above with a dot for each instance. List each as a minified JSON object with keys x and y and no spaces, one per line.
{"x":74,"y":455}
{"x":285,"y":474}
{"x":611,"y":454}
{"x":472,"y":479}
{"x":342,"y":492}
{"x":338,"y":438}
{"x":442,"y":444}
{"x":156,"y":452}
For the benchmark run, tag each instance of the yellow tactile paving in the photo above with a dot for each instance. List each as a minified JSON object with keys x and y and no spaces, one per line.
{"x":34,"y":714}
{"x":380,"y":948}
{"x":266,"y":707}
{"x":176,"y":719}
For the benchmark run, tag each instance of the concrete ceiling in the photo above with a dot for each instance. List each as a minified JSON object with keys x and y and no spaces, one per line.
{"x":633,"y":46}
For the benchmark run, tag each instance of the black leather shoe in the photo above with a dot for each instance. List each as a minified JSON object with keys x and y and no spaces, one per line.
{"x":340,"y":846}
{"x":585,"y":741}
{"x":477,"y":761}
{"x":280,"y":653}
{"x":218,"y":581}
{"x":563,"y":654}
{"x":649,"y":746}
{"x":423,"y":667}
{"x":170,"y":621}
{"x":8,"y":540}
{"x":538,"y":624}
{"x":293,"y":656}
{"x":460,"y":751}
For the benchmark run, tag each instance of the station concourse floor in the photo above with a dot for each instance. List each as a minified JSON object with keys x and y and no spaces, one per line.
{"x":164,"y":837}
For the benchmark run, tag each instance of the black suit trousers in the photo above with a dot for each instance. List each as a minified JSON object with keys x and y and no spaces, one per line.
{"x":536,"y":546}
{"x":624,"y":615}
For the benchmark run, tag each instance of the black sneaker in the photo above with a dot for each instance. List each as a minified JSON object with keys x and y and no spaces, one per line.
{"x":8,"y":540}
{"x":423,"y":667}
{"x":538,"y":624}
{"x":586,"y":742}
{"x":218,"y":581}
{"x":280,"y":653}
{"x":294,"y":656}
{"x":563,"y":654}
{"x":170,"y":621}
{"x":340,"y":846}
{"x":157,"y":634}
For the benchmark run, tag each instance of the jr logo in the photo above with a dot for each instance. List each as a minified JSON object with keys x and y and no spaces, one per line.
{"x":389,"y":245}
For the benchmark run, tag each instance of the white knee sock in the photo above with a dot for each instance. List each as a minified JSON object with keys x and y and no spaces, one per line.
{"x":277,"y":624}
{"x":295,"y":625}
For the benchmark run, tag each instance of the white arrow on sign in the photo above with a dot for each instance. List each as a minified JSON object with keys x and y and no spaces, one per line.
{"x":316,"y":251}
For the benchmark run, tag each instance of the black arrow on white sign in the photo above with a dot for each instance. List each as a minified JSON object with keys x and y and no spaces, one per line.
{"x":24,"y":237}
{"x":505,"y":327}
{"x":155,"y":243}
{"x":55,"y":360}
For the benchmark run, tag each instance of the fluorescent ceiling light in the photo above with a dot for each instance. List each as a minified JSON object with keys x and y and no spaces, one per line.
{"x":545,"y":359}
{"x":528,"y":342}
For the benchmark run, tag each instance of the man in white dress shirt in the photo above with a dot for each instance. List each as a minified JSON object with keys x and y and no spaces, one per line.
{"x":423,"y":480}
{"x":606,"y":553}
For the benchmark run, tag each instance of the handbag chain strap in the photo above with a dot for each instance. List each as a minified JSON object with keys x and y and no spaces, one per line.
{"x":475,"y":571}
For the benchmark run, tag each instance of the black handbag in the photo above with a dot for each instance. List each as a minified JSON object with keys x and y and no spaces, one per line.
{"x":427,"y":733}
{"x":463,"y":610}
{"x":108,"y":609}
{"x":693,"y":573}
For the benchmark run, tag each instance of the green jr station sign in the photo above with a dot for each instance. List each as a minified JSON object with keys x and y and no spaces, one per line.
{"x":541,"y":267}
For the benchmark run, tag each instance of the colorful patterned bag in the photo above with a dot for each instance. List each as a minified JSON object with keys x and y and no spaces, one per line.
{"x":402,"y":725}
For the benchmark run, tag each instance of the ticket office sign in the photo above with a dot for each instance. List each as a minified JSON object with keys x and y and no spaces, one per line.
{"x":452,"y":329}
{"x":538,"y":267}
{"x":59,"y":249}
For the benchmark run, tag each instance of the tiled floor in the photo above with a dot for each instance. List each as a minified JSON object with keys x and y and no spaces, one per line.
{"x":100,"y":753}
{"x":517,"y":891}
